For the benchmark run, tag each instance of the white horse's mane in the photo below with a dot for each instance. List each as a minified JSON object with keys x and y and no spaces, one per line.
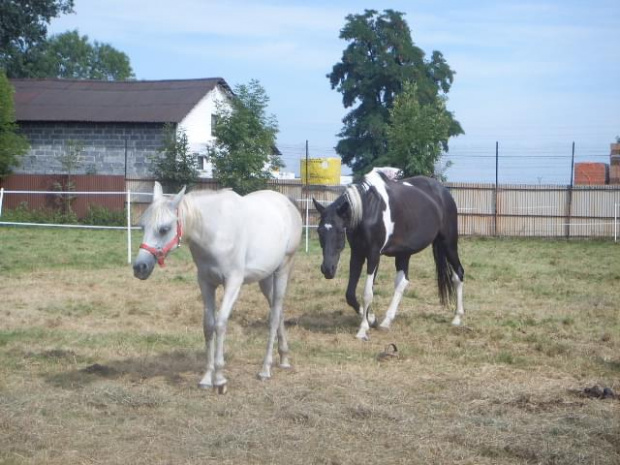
{"x":155,"y":215}
{"x":189,"y":214}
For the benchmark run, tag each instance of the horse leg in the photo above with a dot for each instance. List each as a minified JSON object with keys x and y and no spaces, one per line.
{"x":266,"y":286}
{"x":231,"y":292}
{"x":355,"y":270}
{"x":458,"y":276}
{"x":400,"y":284}
{"x":283,"y":349}
{"x":373,"y":265}
{"x":278,"y":283}
{"x":208,"y":325}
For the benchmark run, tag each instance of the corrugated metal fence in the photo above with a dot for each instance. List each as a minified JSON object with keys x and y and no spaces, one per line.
{"x":51,"y":183}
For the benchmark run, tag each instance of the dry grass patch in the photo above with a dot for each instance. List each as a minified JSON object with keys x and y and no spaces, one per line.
{"x":98,"y":367}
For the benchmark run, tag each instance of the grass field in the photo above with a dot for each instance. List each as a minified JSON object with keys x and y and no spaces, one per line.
{"x":97,"y":367}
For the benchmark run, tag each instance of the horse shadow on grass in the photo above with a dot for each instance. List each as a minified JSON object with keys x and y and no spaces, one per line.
{"x":175,"y":368}
{"x":180,"y":367}
{"x":320,"y":322}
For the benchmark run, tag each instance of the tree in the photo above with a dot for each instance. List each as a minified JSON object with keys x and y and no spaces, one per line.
{"x":245,"y":141}
{"x":70,"y":160}
{"x":380,"y":58}
{"x":23,"y":25}
{"x":416,"y":133}
{"x":71,"y":56}
{"x":27,"y":52}
{"x":12,"y":145}
{"x":175,"y":166}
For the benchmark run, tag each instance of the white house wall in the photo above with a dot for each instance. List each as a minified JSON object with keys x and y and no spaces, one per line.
{"x":197,"y":124}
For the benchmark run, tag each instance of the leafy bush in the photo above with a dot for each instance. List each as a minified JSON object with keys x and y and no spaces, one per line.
{"x":24,"y":214}
{"x":96,"y":216}
{"x":101,"y":216}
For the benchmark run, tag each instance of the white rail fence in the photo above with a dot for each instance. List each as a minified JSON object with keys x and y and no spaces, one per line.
{"x":128,"y":227}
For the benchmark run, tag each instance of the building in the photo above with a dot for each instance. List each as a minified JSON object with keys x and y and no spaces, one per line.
{"x":118,"y":123}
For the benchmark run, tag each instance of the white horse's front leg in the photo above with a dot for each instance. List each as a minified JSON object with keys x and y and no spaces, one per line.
{"x":231,"y":292}
{"x":362,"y":333}
{"x":208,"y":324}
{"x":460,"y":311}
{"x":400,"y":284}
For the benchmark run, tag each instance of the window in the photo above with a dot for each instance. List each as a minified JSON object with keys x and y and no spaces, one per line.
{"x":214,"y":119}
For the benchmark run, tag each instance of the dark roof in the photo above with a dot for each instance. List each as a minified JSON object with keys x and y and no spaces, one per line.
{"x":109,"y":101}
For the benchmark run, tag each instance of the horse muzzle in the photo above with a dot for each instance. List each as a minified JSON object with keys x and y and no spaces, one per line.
{"x":329,"y":271}
{"x":143,"y":266}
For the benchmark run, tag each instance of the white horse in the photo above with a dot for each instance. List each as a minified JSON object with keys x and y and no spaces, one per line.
{"x":234,"y":240}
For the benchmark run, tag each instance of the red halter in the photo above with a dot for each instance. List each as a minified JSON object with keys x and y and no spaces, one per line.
{"x":160,"y":253}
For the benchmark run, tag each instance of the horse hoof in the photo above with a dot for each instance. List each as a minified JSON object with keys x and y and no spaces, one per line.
{"x":383,"y":327}
{"x":363,"y":337}
{"x":263,"y":376}
{"x":222,"y":389}
{"x":205,"y":386}
{"x":286,"y":366}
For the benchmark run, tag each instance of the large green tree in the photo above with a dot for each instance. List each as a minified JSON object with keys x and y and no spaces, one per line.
{"x":23,"y":26}
{"x":12,"y":145}
{"x":245,"y":135}
{"x":416,"y":134}
{"x":380,"y":58}
{"x":72,"y":56}
{"x":27,"y":52}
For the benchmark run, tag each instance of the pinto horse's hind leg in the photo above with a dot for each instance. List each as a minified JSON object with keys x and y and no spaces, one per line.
{"x":400,"y":284}
{"x":458,"y":287}
{"x":458,"y":276}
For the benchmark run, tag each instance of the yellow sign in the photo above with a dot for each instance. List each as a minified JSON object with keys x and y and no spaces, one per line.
{"x":323,"y":171}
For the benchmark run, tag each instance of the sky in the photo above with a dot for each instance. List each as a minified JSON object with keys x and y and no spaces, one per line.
{"x":531,"y":76}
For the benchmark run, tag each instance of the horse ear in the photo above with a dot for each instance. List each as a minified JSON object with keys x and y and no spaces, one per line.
{"x":178,"y":197}
{"x":344,"y":211}
{"x":320,"y":208}
{"x":158,"y":192}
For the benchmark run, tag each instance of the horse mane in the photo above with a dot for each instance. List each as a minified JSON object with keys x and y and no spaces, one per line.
{"x":189,"y":214}
{"x":354,"y":199}
{"x":353,"y":193}
{"x":155,"y":214}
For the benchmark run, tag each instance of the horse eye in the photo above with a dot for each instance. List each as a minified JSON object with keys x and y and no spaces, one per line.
{"x":164,"y":230}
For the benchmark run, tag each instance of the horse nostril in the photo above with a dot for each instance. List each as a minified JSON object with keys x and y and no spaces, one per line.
{"x":328,"y":271}
{"x":139,"y":267}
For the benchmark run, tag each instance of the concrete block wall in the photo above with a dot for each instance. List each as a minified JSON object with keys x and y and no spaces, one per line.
{"x":108,"y":148}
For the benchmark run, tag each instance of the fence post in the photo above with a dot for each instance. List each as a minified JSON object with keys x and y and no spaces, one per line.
{"x":496,"y":187}
{"x":129,"y":226}
{"x":569,"y":197}
{"x":616,"y":222}
{"x":307,"y":200}
{"x":1,"y":199}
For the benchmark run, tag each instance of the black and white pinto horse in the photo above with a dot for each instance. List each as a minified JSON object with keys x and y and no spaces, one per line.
{"x":382,"y":216}
{"x":234,"y":240}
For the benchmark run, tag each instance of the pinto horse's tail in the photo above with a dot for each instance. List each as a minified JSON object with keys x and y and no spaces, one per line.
{"x":445,"y":286}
